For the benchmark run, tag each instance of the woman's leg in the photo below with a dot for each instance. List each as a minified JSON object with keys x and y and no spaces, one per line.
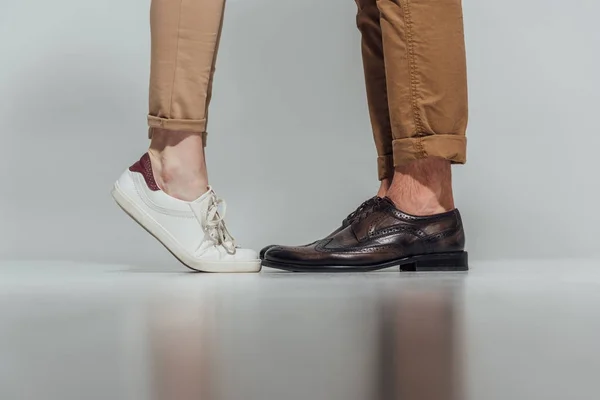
{"x":185,"y":41}
{"x":167,"y":190}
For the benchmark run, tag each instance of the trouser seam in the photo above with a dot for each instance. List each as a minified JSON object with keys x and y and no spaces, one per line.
{"x":413,"y":70}
{"x":176,"y":59}
{"x":420,"y":148}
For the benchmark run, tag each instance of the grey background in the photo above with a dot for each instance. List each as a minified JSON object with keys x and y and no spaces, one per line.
{"x":290,"y":147}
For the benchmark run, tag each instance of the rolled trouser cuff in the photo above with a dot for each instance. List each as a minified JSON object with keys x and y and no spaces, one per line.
{"x":385,"y":167}
{"x":450,"y":147}
{"x":187,"y":125}
{"x":195,"y":126}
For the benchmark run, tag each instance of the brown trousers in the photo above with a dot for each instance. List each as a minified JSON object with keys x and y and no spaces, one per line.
{"x":414,"y":61}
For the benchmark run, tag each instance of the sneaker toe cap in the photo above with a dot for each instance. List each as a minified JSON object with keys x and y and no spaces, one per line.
{"x":245,"y":255}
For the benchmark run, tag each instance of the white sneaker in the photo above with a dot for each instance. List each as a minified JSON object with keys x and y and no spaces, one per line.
{"x":194,"y":232}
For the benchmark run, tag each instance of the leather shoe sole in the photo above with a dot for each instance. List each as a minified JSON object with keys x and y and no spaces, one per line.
{"x":455,"y":262}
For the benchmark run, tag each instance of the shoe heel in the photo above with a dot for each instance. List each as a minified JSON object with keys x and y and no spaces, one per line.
{"x":458,"y":261}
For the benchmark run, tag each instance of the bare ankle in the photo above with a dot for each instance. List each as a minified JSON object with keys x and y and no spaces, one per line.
{"x":423,"y":187}
{"x":384,"y":187}
{"x":178,"y":163}
{"x":178,"y":182}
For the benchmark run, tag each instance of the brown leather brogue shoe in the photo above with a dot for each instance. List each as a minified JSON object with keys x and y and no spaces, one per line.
{"x":380,"y":237}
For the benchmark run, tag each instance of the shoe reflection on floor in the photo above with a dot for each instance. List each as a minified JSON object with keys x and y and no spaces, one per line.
{"x":420,"y":352}
{"x":414,"y":341}
{"x":182,"y":339}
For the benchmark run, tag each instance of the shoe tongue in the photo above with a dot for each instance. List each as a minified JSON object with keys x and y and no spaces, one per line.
{"x":362,"y":208}
{"x":201,"y":204}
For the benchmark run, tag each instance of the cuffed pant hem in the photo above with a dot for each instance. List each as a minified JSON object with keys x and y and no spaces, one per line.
{"x":186,"y":125}
{"x":178,"y":125}
{"x":450,"y":147}
{"x":385,"y":167}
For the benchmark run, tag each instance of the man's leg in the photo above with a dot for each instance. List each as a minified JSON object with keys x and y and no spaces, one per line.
{"x":421,"y":98}
{"x":167,"y":190}
{"x":185,"y":41}
{"x":424,"y":51}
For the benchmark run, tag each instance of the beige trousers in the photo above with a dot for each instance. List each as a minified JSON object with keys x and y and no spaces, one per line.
{"x":415,"y":71}
{"x":185,"y":40}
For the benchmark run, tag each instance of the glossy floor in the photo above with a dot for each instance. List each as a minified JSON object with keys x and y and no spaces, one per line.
{"x":505,"y":330}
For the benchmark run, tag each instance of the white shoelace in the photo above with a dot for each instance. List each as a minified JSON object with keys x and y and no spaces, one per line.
{"x":215,"y":225}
